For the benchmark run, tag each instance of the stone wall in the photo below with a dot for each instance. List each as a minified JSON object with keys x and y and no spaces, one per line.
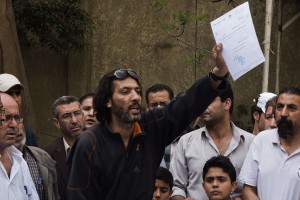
{"x":129,"y":35}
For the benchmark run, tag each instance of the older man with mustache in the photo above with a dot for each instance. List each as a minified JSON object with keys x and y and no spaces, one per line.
{"x":272,"y":167}
{"x":15,"y":180}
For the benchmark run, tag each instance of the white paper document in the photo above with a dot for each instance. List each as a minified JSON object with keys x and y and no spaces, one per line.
{"x":241,"y":50}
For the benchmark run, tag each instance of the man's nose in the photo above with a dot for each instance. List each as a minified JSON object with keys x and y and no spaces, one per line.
{"x":284,"y":112}
{"x":91,"y":112}
{"x":215,"y":183}
{"x":157,"y":193}
{"x":273,"y":123}
{"x":74,"y":119}
{"x":136,"y":96}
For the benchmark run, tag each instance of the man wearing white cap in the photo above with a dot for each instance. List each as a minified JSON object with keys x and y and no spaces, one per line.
{"x":12,"y":86}
{"x":258,"y":113}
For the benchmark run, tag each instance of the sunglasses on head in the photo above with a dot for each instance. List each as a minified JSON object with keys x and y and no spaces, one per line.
{"x":123,"y":73}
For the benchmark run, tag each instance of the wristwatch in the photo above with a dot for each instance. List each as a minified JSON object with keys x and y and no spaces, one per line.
{"x":218,"y":78}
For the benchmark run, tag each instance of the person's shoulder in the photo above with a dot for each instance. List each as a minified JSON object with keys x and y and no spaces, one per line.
{"x":91,"y":135}
{"x":193,"y":135}
{"x":41,"y":156}
{"x":244,"y":133}
{"x":38,"y":150}
{"x":267,"y":134}
{"x":54,"y":146}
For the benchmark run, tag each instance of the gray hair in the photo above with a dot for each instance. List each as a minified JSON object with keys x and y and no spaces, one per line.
{"x":61,"y":101}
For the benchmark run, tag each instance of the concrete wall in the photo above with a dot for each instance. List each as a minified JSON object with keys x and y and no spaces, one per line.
{"x":128,"y":35}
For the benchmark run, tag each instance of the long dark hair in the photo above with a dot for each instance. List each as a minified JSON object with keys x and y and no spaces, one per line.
{"x":105,"y":91}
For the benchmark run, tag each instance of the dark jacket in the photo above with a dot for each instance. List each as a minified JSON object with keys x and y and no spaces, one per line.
{"x":103,"y":169}
{"x":57,"y":151}
{"x":31,"y":139}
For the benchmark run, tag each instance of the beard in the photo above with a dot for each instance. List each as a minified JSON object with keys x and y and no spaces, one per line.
{"x":124,"y":114}
{"x":285,"y":128}
{"x":21,"y":143}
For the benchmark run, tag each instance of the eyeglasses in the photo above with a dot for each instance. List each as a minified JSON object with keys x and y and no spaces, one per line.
{"x":14,"y":92}
{"x":9,"y":118}
{"x":122,"y":73}
{"x":68,"y":116}
{"x":156,"y":104}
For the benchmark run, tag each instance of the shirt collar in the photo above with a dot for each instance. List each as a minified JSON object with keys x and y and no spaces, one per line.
{"x":66,"y":145}
{"x":237,"y":135}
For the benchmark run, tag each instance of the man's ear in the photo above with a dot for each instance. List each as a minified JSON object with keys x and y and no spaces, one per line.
{"x":233,"y":186}
{"x":56,"y":122}
{"x":170,"y":193}
{"x":256,"y":115}
{"x":227,"y":104}
{"x":109,"y":104}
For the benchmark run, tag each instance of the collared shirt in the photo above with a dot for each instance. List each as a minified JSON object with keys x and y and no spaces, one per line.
{"x":67,"y":147}
{"x":35,"y":173}
{"x":194,"y":149}
{"x":19,"y":184}
{"x":268,"y":167}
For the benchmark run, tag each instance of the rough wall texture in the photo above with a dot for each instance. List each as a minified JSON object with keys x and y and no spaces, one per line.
{"x":128,"y":35}
{"x":11,"y":59}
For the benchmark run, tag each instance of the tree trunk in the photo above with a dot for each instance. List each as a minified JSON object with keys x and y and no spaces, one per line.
{"x":11,"y":58}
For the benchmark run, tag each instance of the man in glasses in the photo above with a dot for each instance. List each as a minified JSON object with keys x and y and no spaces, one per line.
{"x":118,"y":158}
{"x":12,"y":86}
{"x":15,"y":178}
{"x":68,"y":118}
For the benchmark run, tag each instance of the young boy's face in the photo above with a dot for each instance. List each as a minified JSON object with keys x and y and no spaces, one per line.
{"x":162,"y":190}
{"x":217,"y":184}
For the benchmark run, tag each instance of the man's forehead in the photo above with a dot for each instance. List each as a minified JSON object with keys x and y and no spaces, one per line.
{"x":7,"y":100}
{"x":161,"y":93}
{"x":68,"y":107}
{"x":125,"y":83}
{"x":287,"y":98}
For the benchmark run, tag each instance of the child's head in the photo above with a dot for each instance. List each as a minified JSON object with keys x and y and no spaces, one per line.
{"x":219,"y":178}
{"x":163,"y":184}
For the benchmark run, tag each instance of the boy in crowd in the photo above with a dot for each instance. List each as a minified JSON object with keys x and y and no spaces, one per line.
{"x":163,"y":184}
{"x":219,"y":178}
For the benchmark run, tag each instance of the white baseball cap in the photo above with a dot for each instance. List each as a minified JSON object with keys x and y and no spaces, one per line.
{"x":263,"y":99}
{"x":7,"y":81}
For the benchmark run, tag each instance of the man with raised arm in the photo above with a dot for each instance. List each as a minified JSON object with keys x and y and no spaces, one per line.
{"x":118,"y":158}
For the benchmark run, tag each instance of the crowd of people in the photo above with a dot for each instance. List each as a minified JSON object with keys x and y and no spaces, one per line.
{"x":110,"y":149}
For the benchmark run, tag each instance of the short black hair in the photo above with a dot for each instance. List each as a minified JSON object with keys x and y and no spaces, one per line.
{"x":222,"y":162}
{"x":290,"y":90}
{"x":61,"y":101}
{"x":165,"y":175}
{"x":158,"y":88}
{"x":86,"y":96}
